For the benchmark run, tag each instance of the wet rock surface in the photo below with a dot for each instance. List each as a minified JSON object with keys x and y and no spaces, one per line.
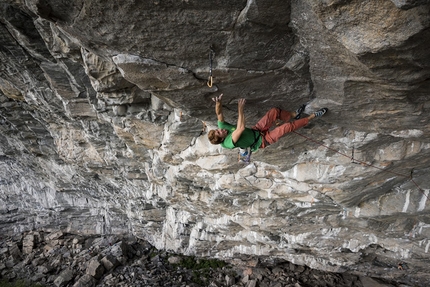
{"x":61,"y":259}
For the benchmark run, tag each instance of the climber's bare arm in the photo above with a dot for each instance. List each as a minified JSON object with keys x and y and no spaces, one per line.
{"x":240,"y":121}
{"x":218,"y":108}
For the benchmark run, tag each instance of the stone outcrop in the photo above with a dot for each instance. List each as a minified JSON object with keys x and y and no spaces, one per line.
{"x":74,"y":260}
{"x":104,"y":109}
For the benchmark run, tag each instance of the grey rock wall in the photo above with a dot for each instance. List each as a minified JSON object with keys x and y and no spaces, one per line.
{"x":104,"y":108}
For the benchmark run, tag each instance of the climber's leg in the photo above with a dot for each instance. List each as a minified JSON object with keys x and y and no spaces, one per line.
{"x":274,"y":135}
{"x":270,"y":117}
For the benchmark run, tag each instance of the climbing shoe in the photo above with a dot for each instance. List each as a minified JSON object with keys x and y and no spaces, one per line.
{"x":320,"y":112}
{"x":299,"y":111}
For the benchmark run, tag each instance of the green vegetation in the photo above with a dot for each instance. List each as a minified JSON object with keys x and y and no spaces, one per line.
{"x":193,"y":264}
{"x":200,"y":268}
{"x":153,"y":253}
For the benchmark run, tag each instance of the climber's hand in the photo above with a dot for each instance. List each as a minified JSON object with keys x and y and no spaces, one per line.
{"x":217,"y":99}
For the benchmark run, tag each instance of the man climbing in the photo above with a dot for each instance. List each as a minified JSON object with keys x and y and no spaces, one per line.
{"x":260,"y":135}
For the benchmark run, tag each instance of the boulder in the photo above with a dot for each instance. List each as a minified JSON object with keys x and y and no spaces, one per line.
{"x":28,"y":243}
{"x":95,"y":269}
{"x":110,"y":262}
{"x":85,"y":281}
{"x":64,"y":278}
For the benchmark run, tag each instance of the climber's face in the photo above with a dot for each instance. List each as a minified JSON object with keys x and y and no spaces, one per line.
{"x":222,"y":133}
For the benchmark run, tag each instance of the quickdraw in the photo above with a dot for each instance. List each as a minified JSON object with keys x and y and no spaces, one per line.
{"x":210,"y":78}
{"x":245,"y":155}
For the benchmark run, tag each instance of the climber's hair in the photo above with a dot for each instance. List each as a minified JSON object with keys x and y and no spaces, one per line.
{"x":213,"y":138}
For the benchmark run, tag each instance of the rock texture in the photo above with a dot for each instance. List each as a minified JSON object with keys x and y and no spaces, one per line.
{"x":104,"y":108}
{"x":63,"y":259}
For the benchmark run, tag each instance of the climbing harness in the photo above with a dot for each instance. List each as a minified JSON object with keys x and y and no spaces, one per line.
{"x":257,"y":136}
{"x":210,"y":78}
{"x":353,"y":160}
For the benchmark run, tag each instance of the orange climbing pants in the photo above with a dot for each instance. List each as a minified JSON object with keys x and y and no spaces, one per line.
{"x":271,"y":136}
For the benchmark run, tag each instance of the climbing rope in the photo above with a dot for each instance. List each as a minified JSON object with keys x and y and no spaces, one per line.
{"x":210,"y":78}
{"x":353,"y":160}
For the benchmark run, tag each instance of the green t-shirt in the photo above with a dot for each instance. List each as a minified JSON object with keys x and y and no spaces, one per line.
{"x":247,"y":138}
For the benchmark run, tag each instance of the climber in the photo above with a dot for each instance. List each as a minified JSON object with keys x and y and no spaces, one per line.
{"x":260,"y":135}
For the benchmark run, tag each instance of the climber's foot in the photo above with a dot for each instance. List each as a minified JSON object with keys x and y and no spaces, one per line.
{"x":299,"y":111}
{"x":320,"y":112}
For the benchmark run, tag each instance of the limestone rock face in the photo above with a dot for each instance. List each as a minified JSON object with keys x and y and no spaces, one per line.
{"x":105,"y":108}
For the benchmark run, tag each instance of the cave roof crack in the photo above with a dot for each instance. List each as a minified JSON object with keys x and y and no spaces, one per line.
{"x":81,"y":9}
